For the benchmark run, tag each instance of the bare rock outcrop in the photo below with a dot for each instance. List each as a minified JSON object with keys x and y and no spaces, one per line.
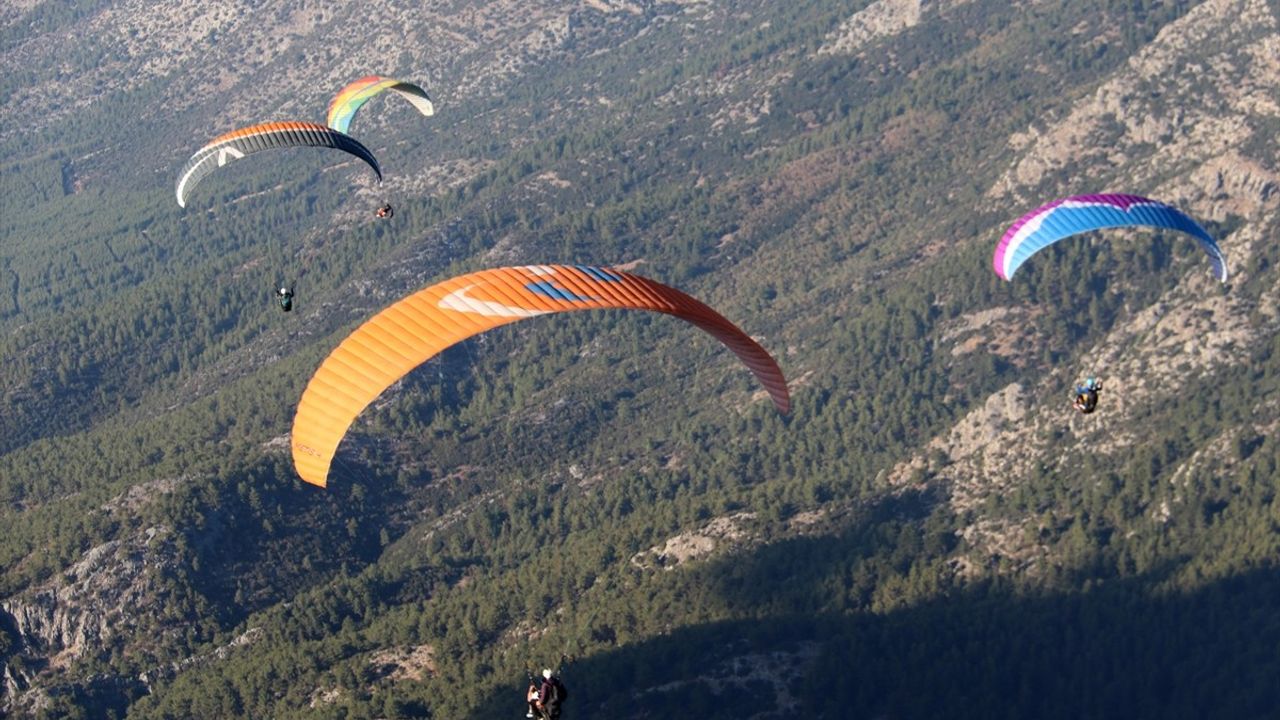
{"x":880,"y":19}
{"x":415,"y":663}
{"x":1178,"y":104}
{"x":108,"y":594}
{"x":726,"y":531}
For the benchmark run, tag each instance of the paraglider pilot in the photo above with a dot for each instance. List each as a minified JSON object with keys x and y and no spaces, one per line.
{"x":285,"y":295}
{"x":385,"y":211}
{"x":1087,"y":395}
{"x":531,"y":697}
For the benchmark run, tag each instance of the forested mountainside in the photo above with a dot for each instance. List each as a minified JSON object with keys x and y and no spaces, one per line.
{"x":932,"y":531}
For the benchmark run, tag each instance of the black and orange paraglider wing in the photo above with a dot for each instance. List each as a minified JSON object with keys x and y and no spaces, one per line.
{"x":265,"y":136}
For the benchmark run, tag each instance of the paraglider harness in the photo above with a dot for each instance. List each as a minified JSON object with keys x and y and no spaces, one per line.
{"x":285,"y":294}
{"x":1087,"y":396}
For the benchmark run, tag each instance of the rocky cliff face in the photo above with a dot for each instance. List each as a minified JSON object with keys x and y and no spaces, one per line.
{"x":1173,"y":120}
{"x":110,"y":596}
{"x":1201,"y":90}
{"x":881,"y":19}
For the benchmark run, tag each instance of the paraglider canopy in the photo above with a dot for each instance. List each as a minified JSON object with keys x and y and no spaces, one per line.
{"x":349,"y":99}
{"x":418,"y":327}
{"x":1073,"y":215}
{"x":265,"y":136}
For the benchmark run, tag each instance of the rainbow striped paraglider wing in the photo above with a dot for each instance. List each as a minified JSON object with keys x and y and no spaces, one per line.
{"x":349,"y":99}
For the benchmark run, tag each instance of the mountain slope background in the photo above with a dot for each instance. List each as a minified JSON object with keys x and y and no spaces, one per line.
{"x":931,"y":531}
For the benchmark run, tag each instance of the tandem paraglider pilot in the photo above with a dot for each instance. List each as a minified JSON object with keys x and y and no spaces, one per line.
{"x":545,"y":700}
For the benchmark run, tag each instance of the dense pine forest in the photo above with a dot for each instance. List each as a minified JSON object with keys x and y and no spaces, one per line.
{"x":932,"y":531}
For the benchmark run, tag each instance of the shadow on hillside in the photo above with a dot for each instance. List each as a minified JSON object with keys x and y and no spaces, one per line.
{"x":259,"y":536}
{"x":1117,"y":650}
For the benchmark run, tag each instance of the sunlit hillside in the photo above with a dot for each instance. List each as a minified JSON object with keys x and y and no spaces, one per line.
{"x":932,"y":531}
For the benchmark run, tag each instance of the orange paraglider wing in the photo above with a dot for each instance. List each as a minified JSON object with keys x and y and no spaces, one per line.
{"x":408,"y":333}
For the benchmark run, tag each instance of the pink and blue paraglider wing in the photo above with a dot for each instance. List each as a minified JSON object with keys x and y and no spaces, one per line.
{"x":1073,"y":215}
